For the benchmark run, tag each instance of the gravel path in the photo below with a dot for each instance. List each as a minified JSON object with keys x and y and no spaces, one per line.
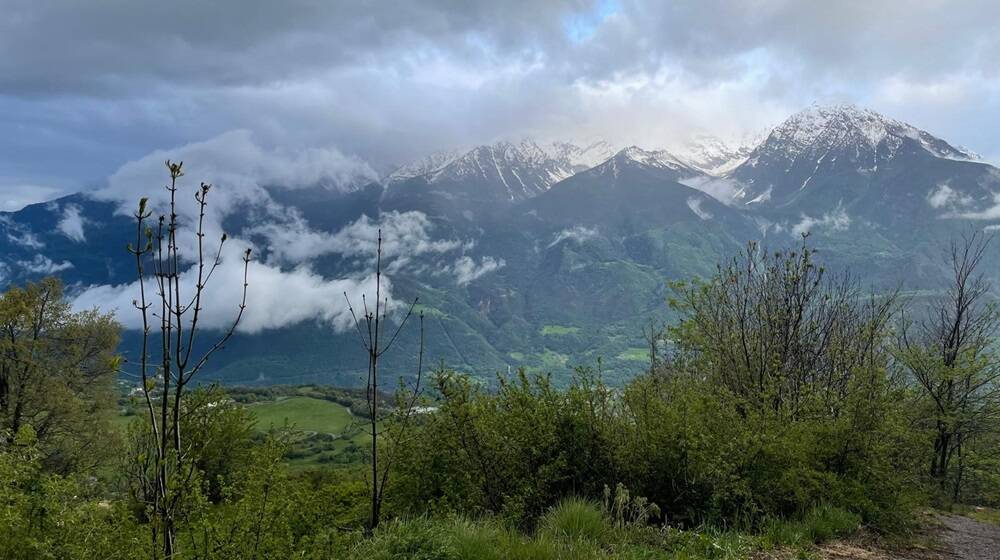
{"x":968,"y":539}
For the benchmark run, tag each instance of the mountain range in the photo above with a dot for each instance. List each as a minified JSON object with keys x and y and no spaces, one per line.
{"x":549,"y":255}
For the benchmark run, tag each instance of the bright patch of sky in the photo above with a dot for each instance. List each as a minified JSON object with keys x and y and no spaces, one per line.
{"x":582,"y":26}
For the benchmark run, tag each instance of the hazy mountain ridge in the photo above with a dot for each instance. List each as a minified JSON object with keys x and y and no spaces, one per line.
{"x":526,"y":252}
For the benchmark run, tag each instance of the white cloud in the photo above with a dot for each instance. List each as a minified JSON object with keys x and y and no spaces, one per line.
{"x":282,"y":291}
{"x":405,"y":235}
{"x":239,"y":170}
{"x":945,"y":196}
{"x":275,"y":297}
{"x":991,"y":212}
{"x":16,"y":196}
{"x":26,"y":239}
{"x":20,"y":234}
{"x":695,"y":205}
{"x":41,"y":264}
{"x":838,"y":220}
{"x":726,"y":191}
{"x":71,"y":223}
{"x":579,"y":234}
{"x":465,"y":269}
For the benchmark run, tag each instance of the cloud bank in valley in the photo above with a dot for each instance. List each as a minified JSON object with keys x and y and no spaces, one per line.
{"x":284,"y":286}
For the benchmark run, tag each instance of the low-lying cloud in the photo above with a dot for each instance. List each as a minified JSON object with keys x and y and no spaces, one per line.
{"x":578,"y":234}
{"x":946,"y":197}
{"x":275,"y":297}
{"x":695,"y":205}
{"x":20,"y":234}
{"x":466,"y":269}
{"x":837,"y":220}
{"x":72,"y":222}
{"x":284,"y":285}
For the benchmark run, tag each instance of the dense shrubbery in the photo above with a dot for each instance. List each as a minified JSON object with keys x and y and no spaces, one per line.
{"x":673,"y":440}
{"x":778,"y":398}
{"x":777,"y":412}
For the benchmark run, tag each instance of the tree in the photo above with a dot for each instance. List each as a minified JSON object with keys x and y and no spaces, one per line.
{"x":171,"y":468}
{"x":373,"y":340}
{"x":950,"y":356}
{"x":57,"y":373}
{"x":781,"y":334}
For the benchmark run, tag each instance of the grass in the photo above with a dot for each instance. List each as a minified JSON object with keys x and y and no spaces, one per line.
{"x":980,"y":513}
{"x":329,"y":433}
{"x":822,"y":523}
{"x":547,"y":361}
{"x":559,"y":330}
{"x":575,"y":520}
{"x":580,"y":529}
{"x":429,"y":311}
{"x":635,"y":355}
{"x":303,"y":413}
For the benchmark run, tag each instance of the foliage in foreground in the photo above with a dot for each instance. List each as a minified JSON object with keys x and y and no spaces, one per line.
{"x":267,"y":514}
{"x":778,"y":397}
{"x":777,"y":415}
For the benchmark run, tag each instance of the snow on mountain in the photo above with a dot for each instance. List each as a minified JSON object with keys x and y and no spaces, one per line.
{"x":422,"y":166}
{"x":660,"y":160}
{"x":827,"y":154}
{"x":522,"y":168}
{"x":582,"y":156}
{"x":819,"y":130}
{"x":715,"y":156}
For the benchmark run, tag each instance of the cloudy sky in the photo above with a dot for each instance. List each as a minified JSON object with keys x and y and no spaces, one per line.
{"x":356,"y":86}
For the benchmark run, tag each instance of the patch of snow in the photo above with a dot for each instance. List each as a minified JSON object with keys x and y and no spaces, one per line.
{"x":715,"y":156}
{"x":762,"y":197}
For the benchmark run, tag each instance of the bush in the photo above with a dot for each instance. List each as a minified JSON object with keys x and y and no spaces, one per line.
{"x":820,"y":524}
{"x":575,"y":520}
{"x":416,"y":539}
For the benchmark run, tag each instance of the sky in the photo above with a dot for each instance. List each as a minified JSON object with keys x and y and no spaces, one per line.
{"x":339,"y":89}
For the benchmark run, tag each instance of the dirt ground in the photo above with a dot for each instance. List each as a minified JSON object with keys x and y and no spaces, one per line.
{"x":953,"y":537}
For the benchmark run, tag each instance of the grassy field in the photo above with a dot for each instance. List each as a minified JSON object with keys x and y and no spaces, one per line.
{"x":635,"y":355}
{"x":329,"y":433}
{"x":325,"y":432}
{"x":303,"y":413}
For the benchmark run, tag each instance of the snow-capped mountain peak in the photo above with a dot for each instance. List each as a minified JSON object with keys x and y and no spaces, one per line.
{"x":582,"y":155}
{"x":422,"y":166}
{"x":715,"y":156}
{"x":655,"y":158}
{"x":523,"y":167}
{"x":821,"y":128}
{"x":663,"y":162}
{"x":833,"y":152}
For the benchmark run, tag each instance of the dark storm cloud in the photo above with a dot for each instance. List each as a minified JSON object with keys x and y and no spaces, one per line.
{"x":88,"y":86}
{"x":104,"y":47}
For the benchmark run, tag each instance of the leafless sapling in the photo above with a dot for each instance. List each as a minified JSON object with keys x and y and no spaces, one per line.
{"x":172,"y":312}
{"x":370,"y":329}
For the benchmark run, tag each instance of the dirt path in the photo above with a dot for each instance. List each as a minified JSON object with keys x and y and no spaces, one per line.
{"x":951,"y":537}
{"x":968,"y":539}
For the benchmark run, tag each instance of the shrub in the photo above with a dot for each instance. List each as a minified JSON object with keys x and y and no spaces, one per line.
{"x":575,"y":519}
